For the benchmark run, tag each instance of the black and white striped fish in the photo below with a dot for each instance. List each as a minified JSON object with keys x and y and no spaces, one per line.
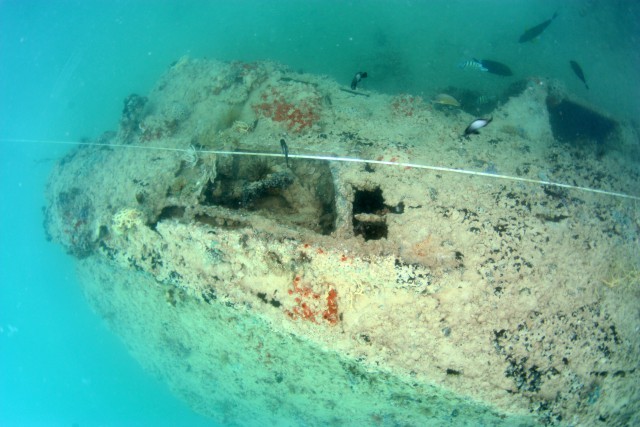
{"x":472,"y":64}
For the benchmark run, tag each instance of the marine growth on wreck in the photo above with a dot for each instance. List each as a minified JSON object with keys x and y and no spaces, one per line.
{"x":362,"y":280}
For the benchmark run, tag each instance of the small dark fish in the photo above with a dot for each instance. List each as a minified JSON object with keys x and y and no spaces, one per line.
{"x":476,"y":125}
{"x":356,"y":79}
{"x":578,"y":70}
{"x":285,"y":151}
{"x":496,"y":67}
{"x":534,"y":32}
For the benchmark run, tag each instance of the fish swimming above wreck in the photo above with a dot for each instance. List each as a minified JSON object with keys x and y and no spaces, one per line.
{"x":476,"y":125}
{"x":534,"y":32}
{"x":357,"y":78}
{"x":444,"y":99}
{"x":472,"y":64}
{"x":485,"y":99}
{"x":285,"y":151}
{"x":486,"y":65}
{"x":495,"y":67}
{"x":577,"y":69}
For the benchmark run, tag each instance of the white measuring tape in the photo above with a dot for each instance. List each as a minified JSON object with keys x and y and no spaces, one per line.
{"x":336,"y":159}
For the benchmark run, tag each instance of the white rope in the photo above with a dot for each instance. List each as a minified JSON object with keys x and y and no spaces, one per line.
{"x":336,"y":159}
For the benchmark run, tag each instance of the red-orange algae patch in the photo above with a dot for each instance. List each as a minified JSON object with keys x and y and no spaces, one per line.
{"x":406,"y":105}
{"x":331,"y":313}
{"x":309,"y":305}
{"x":297,"y":113}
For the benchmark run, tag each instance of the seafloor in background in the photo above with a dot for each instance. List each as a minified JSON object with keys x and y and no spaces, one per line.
{"x":301,"y":291}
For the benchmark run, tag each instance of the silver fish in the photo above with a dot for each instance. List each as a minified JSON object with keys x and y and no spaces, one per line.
{"x":476,"y":125}
{"x":472,"y":64}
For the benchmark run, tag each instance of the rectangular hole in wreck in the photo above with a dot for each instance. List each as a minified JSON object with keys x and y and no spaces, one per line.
{"x":302,"y":194}
{"x":370,"y":212}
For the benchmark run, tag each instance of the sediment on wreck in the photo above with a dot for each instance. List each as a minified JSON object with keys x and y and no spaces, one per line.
{"x":275,"y":291}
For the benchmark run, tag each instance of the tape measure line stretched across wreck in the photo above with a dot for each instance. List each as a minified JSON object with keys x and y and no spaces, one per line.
{"x":311,"y":292}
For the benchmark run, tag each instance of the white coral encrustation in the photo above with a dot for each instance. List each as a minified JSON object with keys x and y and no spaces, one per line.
{"x":126,"y":219}
{"x":241,"y":127}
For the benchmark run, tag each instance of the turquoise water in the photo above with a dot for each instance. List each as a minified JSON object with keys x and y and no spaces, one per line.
{"x":66,"y":66}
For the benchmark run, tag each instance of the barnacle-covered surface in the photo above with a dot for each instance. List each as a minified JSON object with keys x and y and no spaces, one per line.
{"x":320,"y":293}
